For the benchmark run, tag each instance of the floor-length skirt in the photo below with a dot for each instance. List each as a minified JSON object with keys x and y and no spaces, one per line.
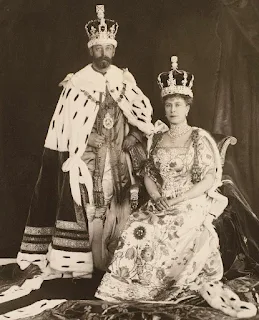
{"x":161,"y":254}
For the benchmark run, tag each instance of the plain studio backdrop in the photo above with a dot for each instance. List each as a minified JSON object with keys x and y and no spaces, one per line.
{"x":44,"y":40}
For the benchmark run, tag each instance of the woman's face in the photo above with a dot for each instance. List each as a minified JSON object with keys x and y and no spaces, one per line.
{"x":176,"y":110}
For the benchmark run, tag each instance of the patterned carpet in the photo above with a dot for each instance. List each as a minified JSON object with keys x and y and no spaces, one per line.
{"x":81,"y":304}
{"x":95,"y":310}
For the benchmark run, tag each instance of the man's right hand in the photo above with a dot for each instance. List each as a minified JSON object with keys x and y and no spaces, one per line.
{"x":95,"y":140}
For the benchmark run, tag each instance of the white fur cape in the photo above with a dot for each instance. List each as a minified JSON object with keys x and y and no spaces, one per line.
{"x":76,"y":112}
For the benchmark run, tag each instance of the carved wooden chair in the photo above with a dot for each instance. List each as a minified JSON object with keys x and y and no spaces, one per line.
{"x":223,"y":143}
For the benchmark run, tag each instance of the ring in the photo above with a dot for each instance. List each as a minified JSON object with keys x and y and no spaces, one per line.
{"x":99,"y":145}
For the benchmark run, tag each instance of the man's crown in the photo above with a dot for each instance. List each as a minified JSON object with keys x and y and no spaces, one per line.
{"x":175,"y":81}
{"x":101,"y":30}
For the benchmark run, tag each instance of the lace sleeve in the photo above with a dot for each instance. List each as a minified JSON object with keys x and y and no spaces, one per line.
{"x":206,"y":157}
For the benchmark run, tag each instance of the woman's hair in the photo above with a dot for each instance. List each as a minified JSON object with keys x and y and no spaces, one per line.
{"x":188,"y":100}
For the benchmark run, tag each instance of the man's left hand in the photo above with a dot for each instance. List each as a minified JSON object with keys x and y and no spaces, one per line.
{"x":128,"y":143}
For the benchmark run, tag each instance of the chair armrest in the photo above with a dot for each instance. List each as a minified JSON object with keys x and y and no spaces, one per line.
{"x":223,"y":146}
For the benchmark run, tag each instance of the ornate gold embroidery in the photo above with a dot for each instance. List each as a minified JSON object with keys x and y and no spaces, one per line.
{"x":38,"y":230}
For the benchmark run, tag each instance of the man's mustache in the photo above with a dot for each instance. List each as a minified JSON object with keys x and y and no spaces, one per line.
{"x":103,"y":58}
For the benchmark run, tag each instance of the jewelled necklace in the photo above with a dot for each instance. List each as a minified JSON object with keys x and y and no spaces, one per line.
{"x":179,"y":130}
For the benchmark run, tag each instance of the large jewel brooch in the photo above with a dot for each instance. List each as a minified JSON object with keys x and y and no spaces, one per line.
{"x":108,"y":122}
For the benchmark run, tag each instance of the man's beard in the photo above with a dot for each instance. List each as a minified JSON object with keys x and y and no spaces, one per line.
{"x":102,"y":62}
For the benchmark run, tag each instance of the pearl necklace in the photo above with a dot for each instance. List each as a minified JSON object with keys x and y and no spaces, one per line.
{"x":179,"y":130}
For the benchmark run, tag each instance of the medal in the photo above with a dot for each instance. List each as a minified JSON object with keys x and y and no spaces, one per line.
{"x":108,"y":121}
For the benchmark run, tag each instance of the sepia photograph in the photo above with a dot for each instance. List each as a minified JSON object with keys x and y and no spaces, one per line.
{"x":129,"y":163}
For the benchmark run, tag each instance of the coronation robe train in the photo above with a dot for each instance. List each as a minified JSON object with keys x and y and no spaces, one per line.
{"x":70,"y":192}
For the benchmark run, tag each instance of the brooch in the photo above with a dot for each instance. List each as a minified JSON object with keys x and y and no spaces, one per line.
{"x":108,"y":122}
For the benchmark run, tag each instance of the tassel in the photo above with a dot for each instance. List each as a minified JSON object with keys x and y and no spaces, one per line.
{"x":134,"y":192}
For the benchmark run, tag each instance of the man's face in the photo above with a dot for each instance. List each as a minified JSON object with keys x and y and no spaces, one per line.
{"x":102,"y":55}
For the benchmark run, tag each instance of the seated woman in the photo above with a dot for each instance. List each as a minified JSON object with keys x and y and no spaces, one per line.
{"x":169,"y":246}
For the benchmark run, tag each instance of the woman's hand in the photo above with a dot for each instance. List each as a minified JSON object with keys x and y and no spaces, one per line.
{"x":95,"y":140}
{"x":161,"y":203}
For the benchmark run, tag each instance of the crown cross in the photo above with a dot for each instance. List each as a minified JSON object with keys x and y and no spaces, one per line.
{"x":100,"y":11}
{"x":100,"y":15}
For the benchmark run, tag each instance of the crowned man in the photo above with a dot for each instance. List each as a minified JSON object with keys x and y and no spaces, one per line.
{"x":96,"y":139}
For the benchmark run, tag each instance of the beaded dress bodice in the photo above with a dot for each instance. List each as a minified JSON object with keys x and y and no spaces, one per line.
{"x":174,"y":166}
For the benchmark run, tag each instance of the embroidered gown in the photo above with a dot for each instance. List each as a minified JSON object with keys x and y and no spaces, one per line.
{"x":174,"y":247}
{"x":165,"y":255}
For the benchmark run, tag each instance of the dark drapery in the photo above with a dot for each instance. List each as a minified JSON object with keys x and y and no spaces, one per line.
{"x":43,"y":40}
{"x":237,"y":94}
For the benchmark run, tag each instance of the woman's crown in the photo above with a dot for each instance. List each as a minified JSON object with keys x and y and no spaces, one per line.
{"x":175,"y":80}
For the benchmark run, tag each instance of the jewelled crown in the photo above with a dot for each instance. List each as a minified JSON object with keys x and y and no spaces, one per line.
{"x":175,"y":81}
{"x":101,"y":30}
